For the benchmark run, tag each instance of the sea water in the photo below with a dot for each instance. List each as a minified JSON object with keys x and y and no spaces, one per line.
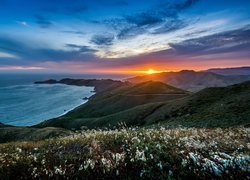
{"x":23,"y":103}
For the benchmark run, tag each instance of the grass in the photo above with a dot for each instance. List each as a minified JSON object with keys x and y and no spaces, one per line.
{"x":129,"y":153}
{"x":11,"y":133}
{"x":211,"y":107}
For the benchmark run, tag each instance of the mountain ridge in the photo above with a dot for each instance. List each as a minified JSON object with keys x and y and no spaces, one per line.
{"x":191,"y":80}
{"x":245,"y":70}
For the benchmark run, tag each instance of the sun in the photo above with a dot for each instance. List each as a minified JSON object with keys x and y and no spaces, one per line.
{"x":151,"y":71}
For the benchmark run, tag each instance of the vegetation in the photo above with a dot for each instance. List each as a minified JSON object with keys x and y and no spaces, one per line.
{"x":129,"y":153}
{"x":158,"y":149}
{"x":211,"y":107}
{"x":11,"y":133}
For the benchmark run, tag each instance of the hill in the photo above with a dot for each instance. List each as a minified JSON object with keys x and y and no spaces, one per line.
{"x":191,"y":80}
{"x":131,"y":153}
{"x":117,"y":100}
{"x":99,"y":84}
{"x":11,"y":133}
{"x":211,"y":107}
{"x":231,"y":71}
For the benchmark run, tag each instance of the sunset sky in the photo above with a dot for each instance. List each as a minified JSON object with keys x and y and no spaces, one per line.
{"x":123,"y":36}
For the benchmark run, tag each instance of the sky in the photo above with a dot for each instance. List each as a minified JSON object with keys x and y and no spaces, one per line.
{"x":123,"y":36}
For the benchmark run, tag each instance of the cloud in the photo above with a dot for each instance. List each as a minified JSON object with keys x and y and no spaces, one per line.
{"x":80,"y":48}
{"x":28,"y":54}
{"x":130,"y":32}
{"x":74,"y":32}
{"x":169,"y":26}
{"x":7,"y":55}
{"x":102,"y":40}
{"x":162,"y":18}
{"x":43,"y":22}
{"x":23,"y":23}
{"x":21,"y":68}
{"x":229,"y":41}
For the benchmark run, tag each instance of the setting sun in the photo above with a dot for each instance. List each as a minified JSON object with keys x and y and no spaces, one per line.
{"x":150,"y":71}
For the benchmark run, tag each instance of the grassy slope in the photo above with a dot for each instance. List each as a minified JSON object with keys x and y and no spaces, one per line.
{"x":117,"y":100}
{"x":211,"y":107}
{"x":9,"y":133}
{"x":132,"y":153}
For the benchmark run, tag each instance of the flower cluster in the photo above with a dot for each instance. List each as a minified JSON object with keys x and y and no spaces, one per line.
{"x":155,"y":153}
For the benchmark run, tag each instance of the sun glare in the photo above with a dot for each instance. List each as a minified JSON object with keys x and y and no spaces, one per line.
{"x":151,"y":71}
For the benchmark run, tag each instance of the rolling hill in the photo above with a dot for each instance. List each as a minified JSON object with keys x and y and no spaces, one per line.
{"x":191,"y":80}
{"x":120,"y":99}
{"x":11,"y":133}
{"x":211,"y":107}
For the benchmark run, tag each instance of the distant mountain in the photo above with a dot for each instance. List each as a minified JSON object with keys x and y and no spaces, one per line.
{"x":211,"y":107}
{"x":99,"y":84}
{"x":231,"y":71}
{"x":191,"y":80}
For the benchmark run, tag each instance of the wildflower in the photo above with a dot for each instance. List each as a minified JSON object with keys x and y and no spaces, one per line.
{"x":184,"y":162}
{"x":58,"y":171}
{"x":160,"y":165}
{"x":80,"y":168}
{"x":170,"y":173}
{"x":192,"y":156}
{"x":151,"y":156}
{"x":43,"y":161}
{"x":158,"y":146}
{"x":248,"y":146}
{"x":140,"y":155}
{"x":19,"y":150}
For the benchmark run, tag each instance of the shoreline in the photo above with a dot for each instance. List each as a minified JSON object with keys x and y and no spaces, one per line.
{"x":40,"y":117}
{"x":72,"y":109}
{"x":97,"y":86}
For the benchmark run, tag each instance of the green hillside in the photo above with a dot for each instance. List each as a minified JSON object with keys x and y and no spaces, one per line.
{"x":118,"y":100}
{"x":211,"y":107}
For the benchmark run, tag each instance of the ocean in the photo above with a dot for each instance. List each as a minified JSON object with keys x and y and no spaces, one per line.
{"x":23,"y":103}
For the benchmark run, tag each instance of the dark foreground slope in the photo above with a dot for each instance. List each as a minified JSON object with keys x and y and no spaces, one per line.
{"x":211,"y":107}
{"x":192,"y":80}
{"x":11,"y":133}
{"x":132,"y":153}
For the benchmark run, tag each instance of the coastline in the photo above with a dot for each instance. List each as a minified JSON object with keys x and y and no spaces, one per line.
{"x":40,"y":103}
{"x":72,"y":109}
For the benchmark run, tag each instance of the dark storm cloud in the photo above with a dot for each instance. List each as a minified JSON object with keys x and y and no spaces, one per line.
{"x":102,"y":39}
{"x":43,"y":22}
